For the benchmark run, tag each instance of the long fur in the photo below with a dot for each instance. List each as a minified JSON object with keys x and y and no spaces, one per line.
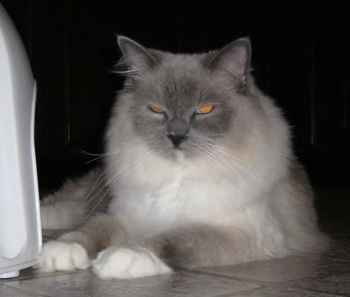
{"x":234,"y":191}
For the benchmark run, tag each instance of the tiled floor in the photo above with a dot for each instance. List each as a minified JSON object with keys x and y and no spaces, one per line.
{"x":324,"y":276}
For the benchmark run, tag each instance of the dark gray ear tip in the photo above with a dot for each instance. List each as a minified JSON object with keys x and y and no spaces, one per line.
{"x":136,"y":55}
{"x":123,"y":40}
{"x":247,"y":38}
{"x":245,"y":41}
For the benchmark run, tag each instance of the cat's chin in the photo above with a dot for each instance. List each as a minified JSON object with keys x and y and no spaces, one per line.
{"x":179,"y":156}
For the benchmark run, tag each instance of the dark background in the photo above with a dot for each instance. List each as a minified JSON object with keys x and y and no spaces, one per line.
{"x":300,"y":58}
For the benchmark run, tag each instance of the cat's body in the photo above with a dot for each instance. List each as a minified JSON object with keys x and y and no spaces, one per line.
{"x":199,"y":169}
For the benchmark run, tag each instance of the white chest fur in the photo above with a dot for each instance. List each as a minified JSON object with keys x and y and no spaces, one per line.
{"x":155,"y":195}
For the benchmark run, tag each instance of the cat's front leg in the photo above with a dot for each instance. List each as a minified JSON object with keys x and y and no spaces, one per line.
{"x":201,"y":245}
{"x":185,"y":247}
{"x":74,"y":250}
{"x":128,"y":262}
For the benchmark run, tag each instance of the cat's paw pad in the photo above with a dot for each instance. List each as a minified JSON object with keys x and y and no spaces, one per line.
{"x":126,"y":263}
{"x":62,"y":256}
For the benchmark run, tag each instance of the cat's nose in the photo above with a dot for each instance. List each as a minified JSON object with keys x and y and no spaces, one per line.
{"x":177,"y":139}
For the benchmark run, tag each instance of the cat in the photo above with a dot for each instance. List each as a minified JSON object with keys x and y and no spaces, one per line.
{"x":198,"y":171}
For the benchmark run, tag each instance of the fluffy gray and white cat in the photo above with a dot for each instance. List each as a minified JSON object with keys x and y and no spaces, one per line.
{"x":198,"y":171}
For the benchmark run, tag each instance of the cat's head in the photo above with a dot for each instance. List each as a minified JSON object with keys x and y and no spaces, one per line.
{"x":181,"y":105}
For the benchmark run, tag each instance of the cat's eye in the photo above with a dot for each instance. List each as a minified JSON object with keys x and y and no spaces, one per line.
{"x":155,"y":109}
{"x":205,"y":109}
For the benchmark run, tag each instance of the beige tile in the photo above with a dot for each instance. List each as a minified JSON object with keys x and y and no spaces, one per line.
{"x":288,"y":269}
{"x":85,"y":283}
{"x":326,"y":276}
{"x":285,"y":292}
{"x":304,"y":293}
{"x":336,"y":284}
{"x":275,"y":271}
{"x":6,"y":291}
{"x":340,"y":249}
{"x":332,"y":266}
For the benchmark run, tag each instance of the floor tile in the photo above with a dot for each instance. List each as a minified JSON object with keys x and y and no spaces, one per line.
{"x":285,"y":292}
{"x":84,"y":283}
{"x":336,"y":284}
{"x":6,"y":291}
{"x":332,"y":266}
{"x":340,"y":249}
{"x":275,"y":271}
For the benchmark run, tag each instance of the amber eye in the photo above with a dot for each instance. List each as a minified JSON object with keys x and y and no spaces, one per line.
{"x":205,"y":109}
{"x":155,"y":109}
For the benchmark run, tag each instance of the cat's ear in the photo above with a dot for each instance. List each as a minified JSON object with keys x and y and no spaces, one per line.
{"x":137,"y":57}
{"x":234,"y":58}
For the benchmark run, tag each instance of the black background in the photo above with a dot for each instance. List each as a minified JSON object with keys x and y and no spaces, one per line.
{"x":300,"y":58}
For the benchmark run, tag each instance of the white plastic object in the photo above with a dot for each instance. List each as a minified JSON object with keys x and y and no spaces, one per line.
{"x":20,"y":230}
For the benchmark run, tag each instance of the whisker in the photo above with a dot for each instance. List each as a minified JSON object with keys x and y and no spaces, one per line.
{"x":104,"y":155}
{"x":146,"y":157}
{"x":230,"y":162}
{"x":246,"y":167}
{"x":97,"y":204}
{"x":226,"y":164}
{"x":86,"y":201}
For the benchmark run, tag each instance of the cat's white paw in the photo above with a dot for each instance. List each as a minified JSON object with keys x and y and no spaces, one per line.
{"x":126,"y":263}
{"x":62,"y":256}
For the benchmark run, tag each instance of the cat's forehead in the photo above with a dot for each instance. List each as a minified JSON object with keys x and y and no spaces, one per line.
{"x":180,"y":83}
{"x":183,"y":64}
{"x":182,"y":76}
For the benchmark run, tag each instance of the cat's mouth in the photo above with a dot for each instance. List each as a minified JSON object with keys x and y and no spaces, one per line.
{"x":179,"y":155}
